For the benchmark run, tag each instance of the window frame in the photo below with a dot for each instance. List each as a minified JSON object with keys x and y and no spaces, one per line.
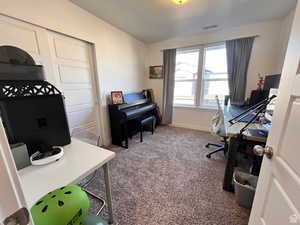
{"x":198,"y":99}
{"x":185,"y":50}
{"x":201,"y":100}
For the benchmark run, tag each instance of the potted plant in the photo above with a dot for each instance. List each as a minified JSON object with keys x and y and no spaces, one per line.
{"x":260,"y":82}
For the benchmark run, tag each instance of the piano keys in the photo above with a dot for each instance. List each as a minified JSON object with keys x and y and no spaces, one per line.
{"x":121,"y":116}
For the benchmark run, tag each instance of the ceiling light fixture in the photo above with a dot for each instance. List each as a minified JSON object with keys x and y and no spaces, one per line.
{"x":179,"y":2}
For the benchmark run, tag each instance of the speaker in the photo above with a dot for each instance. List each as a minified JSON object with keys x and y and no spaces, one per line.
{"x":21,"y":156}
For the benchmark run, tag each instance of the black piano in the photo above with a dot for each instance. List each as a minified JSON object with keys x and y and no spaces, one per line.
{"x":122,"y":116}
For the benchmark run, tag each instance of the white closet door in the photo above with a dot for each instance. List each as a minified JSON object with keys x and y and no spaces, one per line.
{"x":74,"y":72}
{"x":68,"y":64}
{"x":31,"y":39}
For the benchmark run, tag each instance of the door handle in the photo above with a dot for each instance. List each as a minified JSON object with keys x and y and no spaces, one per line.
{"x":260,"y":151}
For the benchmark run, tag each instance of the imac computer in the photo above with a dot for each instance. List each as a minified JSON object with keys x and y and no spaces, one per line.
{"x":38,"y":121}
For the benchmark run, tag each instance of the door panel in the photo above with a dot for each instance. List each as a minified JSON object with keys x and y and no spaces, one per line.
{"x":79,"y":97}
{"x":82,"y":118}
{"x":289,"y":180}
{"x":71,"y":49}
{"x":291,"y":136}
{"x":281,"y":203}
{"x":74,"y":71}
{"x":12,"y":35}
{"x":73,"y":74}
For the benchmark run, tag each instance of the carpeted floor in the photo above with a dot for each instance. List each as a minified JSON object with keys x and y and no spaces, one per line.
{"x":167,"y":180}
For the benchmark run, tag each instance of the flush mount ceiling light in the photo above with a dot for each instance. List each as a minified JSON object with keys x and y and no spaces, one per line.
{"x":179,"y":2}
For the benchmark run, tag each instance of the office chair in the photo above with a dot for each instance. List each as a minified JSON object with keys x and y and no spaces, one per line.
{"x":218,"y":129}
{"x":92,"y":139}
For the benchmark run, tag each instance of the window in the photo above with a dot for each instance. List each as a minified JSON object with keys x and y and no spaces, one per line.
{"x":186,"y":77}
{"x":201,"y":74}
{"x":214,"y":76}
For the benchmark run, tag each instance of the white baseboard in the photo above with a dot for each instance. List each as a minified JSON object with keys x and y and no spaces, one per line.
{"x":190,"y":126}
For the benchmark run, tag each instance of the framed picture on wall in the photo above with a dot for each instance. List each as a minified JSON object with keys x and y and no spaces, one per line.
{"x":156,"y":72}
{"x":117,"y":97}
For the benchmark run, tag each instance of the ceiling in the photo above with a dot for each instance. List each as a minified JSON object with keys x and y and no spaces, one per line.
{"x":156,"y":20}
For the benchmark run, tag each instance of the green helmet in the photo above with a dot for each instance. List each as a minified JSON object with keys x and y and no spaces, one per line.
{"x":65,"y":206}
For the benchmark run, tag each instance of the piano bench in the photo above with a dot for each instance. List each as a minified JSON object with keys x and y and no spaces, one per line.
{"x":145,"y":121}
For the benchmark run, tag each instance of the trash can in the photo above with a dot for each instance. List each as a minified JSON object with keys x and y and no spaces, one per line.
{"x":244,"y":186}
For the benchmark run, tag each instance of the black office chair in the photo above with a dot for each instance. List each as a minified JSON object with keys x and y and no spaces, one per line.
{"x":218,"y":128}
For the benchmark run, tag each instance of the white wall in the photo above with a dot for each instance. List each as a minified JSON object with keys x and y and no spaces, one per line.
{"x":267,"y":58}
{"x":119,"y":57}
{"x":286,"y":26}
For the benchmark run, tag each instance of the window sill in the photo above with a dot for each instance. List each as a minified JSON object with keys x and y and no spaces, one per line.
{"x":195,"y":107}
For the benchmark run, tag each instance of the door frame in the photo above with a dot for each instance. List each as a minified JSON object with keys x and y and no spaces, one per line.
{"x":97,"y":87}
{"x":14,"y":198}
{"x":95,"y":80}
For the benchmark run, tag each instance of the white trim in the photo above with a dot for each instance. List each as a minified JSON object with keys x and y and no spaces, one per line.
{"x":189,"y":49}
{"x":190,"y":126}
{"x":195,"y":107}
{"x":199,"y":77}
{"x":10,"y":184}
{"x":201,"y":82}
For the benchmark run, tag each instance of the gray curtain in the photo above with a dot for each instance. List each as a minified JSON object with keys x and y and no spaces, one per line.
{"x":169,"y":83}
{"x":238,"y":57}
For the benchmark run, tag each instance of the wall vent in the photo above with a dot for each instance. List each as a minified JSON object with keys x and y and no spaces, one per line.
{"x":210,"y":27}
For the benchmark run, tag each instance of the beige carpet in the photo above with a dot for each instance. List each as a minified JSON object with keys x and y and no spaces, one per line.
{"x":167,"y":180}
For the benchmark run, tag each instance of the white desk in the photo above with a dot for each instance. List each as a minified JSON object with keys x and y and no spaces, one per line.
{"x":79,"y":160}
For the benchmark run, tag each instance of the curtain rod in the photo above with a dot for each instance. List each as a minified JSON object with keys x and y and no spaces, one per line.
{"x":191,"y":46}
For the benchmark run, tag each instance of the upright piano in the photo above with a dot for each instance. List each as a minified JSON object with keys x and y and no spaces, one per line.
{"x":122,"y":116}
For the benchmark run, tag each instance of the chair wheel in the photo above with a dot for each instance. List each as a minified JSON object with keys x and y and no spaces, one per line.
{"x":208,"y":156}
{"x":207,"y":146}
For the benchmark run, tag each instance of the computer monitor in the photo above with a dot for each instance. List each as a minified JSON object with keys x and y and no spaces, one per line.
{"x":38,"y":121}
{"x":272,"y":81}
